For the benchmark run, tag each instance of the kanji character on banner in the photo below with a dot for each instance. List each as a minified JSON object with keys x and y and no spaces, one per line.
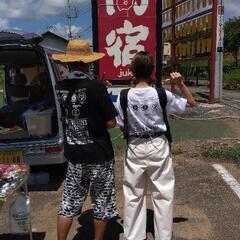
{"x":123,"y":45}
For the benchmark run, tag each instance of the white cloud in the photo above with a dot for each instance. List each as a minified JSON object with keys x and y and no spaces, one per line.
{"x":62,"y":30}
{"x":232,"y":8}
{"x":32,"y":9}
{"x":17,"y":28}
{"x":3,"y":23}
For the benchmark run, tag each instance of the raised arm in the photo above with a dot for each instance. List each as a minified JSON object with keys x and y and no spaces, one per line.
{"x":176,"y":79}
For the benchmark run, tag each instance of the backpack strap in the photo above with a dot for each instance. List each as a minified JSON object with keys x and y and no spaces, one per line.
{"x":124,"y":105}
{"x":163,"y":102}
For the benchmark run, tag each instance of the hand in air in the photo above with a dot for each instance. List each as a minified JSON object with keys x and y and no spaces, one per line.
{"x":106,"y":83}
{"x":175,"y":79}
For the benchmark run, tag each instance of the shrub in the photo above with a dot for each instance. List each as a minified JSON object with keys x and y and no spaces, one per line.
{"x":228,"y":153}
{"x":231,"y":80}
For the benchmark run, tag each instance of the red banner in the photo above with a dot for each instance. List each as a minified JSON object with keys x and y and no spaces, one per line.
{"x":125,"y":27}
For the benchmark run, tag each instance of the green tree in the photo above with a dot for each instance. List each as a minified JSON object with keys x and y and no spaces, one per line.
{"x":232,"y":37}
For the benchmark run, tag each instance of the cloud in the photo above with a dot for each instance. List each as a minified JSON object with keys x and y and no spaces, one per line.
{"x":232,"y":8}
{"x":4,"y":23}
{"x":62,"y":30}
{"x":33,"y":9}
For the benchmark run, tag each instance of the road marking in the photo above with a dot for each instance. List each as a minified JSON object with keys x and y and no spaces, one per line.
{"x":228,"y":178}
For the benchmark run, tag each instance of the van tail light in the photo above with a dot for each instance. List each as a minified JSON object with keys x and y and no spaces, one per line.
{"x":54,"y":149}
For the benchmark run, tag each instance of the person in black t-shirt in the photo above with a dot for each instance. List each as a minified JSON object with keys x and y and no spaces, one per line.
{"x":87,"y":113}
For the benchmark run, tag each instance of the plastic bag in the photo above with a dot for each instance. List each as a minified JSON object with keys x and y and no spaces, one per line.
{"x":20,"y":214}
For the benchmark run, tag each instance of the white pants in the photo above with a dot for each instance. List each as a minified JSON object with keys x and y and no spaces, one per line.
{"x":148,"y":161}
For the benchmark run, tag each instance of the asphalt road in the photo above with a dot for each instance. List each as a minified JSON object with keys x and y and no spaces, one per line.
{"x":206,"y":208}
{"x":209,"y":206}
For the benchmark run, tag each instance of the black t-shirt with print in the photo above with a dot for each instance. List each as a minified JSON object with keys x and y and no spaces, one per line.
{"x":86,"y":106}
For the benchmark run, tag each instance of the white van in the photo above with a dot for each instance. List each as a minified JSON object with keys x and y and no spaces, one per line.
{"x":30,"y":126}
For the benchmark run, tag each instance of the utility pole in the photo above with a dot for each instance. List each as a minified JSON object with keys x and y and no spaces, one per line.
{"x":69,"y":17}
{"x":69,"y":20}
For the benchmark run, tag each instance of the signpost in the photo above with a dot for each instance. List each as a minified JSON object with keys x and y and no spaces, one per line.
{"x":194,"y":29}
{"x":124,"y":28}
{"x":219,"y":51}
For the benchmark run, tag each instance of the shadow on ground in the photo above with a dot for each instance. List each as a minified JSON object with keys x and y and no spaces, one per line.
{"x":85,"y":231}
{"x":179,"y":219}
{"x":36,"y":236}
{"x":150,"y":223}
{"x":114,"y":226}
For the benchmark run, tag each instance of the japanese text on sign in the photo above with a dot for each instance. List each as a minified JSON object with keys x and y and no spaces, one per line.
{"x":126,"y":27}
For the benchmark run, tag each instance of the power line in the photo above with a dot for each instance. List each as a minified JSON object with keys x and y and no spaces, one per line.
{"x":84,"y":31}
{"x":72,"y":12}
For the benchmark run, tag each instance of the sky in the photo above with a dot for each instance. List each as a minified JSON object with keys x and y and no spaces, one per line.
{"x":42,"y":15}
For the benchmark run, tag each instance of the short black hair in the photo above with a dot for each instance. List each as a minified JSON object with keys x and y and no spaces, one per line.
{"x":142,"y":65}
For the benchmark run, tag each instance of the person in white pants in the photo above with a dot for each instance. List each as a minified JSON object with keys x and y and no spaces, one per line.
{"x":148,"y":159}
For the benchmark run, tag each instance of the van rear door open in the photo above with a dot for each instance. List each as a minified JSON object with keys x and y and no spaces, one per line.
{"x":30,"y":126}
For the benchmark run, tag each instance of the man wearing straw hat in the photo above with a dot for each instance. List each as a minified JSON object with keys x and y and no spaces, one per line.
{"x":87,"y":113}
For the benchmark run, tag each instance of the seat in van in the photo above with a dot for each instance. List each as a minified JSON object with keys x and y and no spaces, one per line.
{"x":18,"y":91}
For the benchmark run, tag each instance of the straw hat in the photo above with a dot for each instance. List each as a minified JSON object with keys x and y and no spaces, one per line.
{"x":78,"y":50}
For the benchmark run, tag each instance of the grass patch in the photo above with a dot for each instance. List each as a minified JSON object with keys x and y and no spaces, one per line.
{"x":192,"y":130}
{"x":228,"y":153}
{"x":117,"y":138}
{"x":176,"y":151}
{"x":183,"y":130}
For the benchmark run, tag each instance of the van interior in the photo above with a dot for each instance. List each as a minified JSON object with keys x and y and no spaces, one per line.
{"x":27,"y":103}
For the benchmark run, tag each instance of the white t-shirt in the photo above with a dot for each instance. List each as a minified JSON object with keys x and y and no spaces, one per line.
{"x":144,"y":111}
